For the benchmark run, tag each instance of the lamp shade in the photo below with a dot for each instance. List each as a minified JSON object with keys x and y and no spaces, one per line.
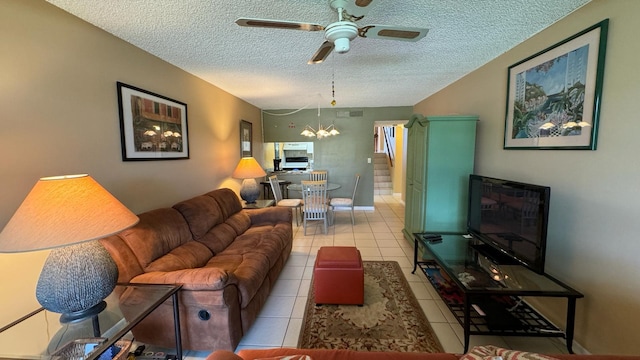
{"x":248,"y":168}
{"x":64,"y":210}
{"x":69,"y":210}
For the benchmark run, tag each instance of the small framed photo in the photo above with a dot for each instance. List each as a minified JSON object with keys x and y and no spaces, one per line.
{"x":246,"y":139}
{"x":554,"y":97}
{"x":152,"y":126}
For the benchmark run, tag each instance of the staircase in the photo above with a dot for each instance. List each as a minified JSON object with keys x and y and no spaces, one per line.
{"x":381,"y":175}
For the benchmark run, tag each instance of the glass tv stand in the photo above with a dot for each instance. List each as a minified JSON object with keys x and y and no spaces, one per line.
{"x":483,"y":288}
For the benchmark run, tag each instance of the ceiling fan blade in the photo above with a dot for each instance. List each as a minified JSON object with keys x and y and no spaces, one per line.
{"x":279,"y":24}
{"x":354,"y":9}
{"x":392,"y":32}
{"x":322,"y":53}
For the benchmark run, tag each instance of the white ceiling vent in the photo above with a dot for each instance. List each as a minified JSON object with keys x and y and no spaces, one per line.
{"x":349,"y":113}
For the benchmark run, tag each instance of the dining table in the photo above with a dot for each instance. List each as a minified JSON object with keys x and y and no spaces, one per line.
{"x":298,"y":187}
{"x":330,"y":186}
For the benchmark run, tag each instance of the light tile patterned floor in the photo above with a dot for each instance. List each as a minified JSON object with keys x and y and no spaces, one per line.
{"x":378,"y":236}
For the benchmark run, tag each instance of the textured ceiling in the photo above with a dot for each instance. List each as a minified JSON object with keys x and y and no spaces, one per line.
{"x":268,"y":67}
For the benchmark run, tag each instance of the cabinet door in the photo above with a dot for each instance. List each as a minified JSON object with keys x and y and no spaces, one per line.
{"x":440,"y":155}
{"x":415,"y":194}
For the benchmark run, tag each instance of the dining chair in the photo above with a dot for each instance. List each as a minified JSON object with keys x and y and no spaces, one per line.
{"x":295,"y":204}
{"x":347,"y":203}
{"x":318,"y":175}
{"x":314,"y":203}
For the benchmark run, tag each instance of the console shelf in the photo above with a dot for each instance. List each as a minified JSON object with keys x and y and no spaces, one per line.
{"x":529,"y":321}
{"x":485,"y":292}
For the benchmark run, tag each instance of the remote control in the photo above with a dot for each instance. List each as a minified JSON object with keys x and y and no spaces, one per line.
{"x":139,"y":350}
{"x":431,"y":236}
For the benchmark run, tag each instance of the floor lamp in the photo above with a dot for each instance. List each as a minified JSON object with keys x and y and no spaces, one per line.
{"x":68,"y":214}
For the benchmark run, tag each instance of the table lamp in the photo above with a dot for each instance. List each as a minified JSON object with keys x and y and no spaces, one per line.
{"x":248,"y":169}
{"x":68,"y":214}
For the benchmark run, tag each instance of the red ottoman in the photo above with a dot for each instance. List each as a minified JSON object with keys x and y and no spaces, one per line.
{"x":338,"y":276}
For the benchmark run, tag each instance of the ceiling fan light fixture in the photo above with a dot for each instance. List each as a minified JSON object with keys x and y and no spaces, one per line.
{"x":341,"y":45}
{"x":340,"y":34}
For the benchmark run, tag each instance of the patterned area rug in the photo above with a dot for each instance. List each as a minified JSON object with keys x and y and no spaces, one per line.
{"x":390,"y":320}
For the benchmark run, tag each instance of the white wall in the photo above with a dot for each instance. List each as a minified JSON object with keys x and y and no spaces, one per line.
{"x":398,"y":172}
{"x":593,"y":242}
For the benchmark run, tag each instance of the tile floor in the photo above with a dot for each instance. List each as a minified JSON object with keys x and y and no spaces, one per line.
{"x":378,"y":236}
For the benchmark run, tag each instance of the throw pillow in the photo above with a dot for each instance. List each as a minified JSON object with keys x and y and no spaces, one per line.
{"x":521,"y":355}
{"x":480,"y":353}
{"x":490,"y":352}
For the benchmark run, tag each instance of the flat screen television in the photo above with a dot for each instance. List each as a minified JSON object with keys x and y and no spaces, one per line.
{"x":511,"y":217}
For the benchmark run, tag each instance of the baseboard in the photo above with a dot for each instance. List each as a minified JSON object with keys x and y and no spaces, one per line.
{"x":576,"y":347}
{"x":399,"y":196}
{"x":363,"y":208}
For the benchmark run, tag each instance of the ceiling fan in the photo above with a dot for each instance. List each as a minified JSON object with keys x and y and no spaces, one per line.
{"x":339,"y":34}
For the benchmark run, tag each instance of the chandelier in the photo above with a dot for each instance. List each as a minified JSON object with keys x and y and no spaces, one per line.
{"x":322,"y":131}
{"x":330,"y":130}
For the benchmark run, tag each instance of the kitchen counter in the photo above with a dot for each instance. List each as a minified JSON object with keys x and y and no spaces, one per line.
{"x":284,"y":172}
{"x":293,"y":176}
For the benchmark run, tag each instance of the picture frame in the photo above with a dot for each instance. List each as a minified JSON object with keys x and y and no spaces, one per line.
{"x":246,"y":139}
{"x":554,"y":96}
{"x":152,"y":126}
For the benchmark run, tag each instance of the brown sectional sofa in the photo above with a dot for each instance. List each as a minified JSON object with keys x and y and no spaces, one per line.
{"x":227,"y":259}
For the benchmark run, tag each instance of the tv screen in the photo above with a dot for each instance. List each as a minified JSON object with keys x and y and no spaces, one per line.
{"x":511,"y":217}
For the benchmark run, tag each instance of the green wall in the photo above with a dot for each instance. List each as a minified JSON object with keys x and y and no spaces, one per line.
{"x":344,"y":155}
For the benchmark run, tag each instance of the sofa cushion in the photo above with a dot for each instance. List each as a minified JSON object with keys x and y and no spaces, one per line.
{"x":158,"y":232}
{"x":219,"y":237}
{"x":248,"y":268}
{"x":250,"y":256}
{"x":215,"y":218}
{"x":240,"y":222}
{"x":186,"y":256}
{"x":228,"y":201}
{"x":202,"y":213}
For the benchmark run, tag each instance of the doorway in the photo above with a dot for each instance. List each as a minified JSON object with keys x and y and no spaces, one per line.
{"x":389,"y":150}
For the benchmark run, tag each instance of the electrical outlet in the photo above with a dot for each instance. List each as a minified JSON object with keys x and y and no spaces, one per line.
{"x":368,"y":160}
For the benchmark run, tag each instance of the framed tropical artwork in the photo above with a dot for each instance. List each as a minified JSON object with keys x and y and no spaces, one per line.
{"x":554,"y":96}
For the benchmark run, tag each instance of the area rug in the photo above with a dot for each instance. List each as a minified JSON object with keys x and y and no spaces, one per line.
{"x":390,"y":319}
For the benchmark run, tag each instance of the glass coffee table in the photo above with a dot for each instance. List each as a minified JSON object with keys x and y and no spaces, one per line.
{"x":484,"y":288}
{"x":40,"y":334}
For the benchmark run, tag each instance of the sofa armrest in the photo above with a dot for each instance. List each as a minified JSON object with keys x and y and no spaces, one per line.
{"x":207,"y":278}
{"x":269,"y":215}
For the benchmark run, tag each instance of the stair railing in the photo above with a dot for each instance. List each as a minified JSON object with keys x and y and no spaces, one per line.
{"x":389,"y":143}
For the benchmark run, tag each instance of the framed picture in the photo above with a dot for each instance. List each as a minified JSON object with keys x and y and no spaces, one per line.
{"x":246,"y":139}
{"x":152,"y":126}
{"x":554,"y":96}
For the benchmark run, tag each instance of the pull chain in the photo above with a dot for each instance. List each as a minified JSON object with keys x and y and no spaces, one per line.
{"x":333,"y":89}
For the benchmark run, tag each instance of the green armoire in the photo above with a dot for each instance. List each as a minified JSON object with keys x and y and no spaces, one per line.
{"x":440,"y":157}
